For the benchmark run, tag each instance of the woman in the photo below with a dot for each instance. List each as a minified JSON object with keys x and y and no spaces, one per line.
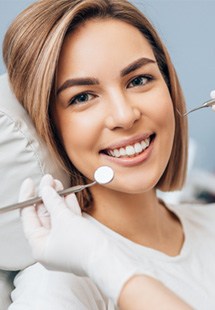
{"x":101,"y":90}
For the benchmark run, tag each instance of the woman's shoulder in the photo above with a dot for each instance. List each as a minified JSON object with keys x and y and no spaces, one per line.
{"x":195,"y":212}
{"x":189,"y":207}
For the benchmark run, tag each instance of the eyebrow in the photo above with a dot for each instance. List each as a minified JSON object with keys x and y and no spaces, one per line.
{"x":136,"y":65}
{"x":77,"y":82}
{"x":93,"y":81}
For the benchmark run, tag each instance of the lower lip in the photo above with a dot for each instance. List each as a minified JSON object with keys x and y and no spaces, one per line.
{"x":132,"y":161}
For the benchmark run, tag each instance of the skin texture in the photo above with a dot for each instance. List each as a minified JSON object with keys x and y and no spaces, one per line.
{"x":119,"y":109}
{"x":139,"y":294}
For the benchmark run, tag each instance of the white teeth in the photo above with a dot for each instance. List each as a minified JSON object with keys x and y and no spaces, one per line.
{"x":122,"y":152}
{"x":116,"y":153}
{"x":130,"y":150}
{"x":143,"y":144}
{"x":138,"y":148}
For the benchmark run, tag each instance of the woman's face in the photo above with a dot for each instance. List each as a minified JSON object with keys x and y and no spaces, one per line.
{"x":113,"y":107}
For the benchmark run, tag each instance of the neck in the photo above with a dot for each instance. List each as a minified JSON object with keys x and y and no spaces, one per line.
{"x":128,"y":214}
{"x":142,"y":218}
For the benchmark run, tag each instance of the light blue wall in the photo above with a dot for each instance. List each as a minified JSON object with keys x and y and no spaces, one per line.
{"x":9,"y":9}
{"x":188,"y":29}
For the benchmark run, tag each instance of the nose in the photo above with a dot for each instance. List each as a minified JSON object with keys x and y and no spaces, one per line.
{"x":122,"y":113}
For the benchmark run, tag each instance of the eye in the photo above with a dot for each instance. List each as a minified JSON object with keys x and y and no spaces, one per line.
{"x":139,"y":81}
{"x":81,"y":98}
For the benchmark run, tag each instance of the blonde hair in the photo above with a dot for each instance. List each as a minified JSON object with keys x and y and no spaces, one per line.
{"x":31,"y":51}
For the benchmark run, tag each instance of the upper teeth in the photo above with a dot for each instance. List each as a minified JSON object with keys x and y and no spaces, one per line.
{"x":130,"y":150}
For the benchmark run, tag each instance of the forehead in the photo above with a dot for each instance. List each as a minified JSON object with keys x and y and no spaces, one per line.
{"x":103,"y":42}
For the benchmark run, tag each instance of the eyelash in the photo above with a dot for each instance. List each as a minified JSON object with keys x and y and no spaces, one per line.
{"x":148,"y":79}
{"x":75,"y":99}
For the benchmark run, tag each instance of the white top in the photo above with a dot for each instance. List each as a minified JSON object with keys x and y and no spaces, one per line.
{"x":191,"y":274}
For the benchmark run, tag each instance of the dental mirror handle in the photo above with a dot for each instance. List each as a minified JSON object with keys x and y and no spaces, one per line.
{"x":102,"y":175}
{"x":36,"y":200}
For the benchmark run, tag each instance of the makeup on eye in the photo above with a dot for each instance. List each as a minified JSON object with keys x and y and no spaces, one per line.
{"x":81,"y":98}
{"x":140,"y":80}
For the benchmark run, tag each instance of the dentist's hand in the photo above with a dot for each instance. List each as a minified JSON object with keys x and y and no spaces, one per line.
{"x":62,"y":239}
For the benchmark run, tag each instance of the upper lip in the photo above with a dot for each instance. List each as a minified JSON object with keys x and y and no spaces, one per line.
{"x":128,"y":141}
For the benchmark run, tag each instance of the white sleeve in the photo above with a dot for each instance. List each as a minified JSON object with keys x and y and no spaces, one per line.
{"x":37,"y":288}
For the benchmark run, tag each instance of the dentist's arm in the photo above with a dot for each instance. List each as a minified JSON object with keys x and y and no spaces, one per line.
{"x":63,"y":240}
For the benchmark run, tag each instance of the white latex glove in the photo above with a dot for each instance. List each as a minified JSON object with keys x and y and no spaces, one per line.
{"x":30,"y":191}
{"x":71,"y":243}
{"x":213,"y":97}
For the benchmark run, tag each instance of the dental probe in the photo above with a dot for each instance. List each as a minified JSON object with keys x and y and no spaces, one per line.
{"x":102,"y":175}
{"x":207,"y":104}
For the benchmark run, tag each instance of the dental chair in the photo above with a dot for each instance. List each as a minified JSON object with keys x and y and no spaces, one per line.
{"x":22,"y":155}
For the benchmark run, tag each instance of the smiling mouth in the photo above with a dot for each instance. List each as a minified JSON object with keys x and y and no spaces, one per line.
{"x":130,"y":150}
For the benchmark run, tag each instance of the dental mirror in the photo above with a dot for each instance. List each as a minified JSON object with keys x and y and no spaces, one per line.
{"x":102,"y":175}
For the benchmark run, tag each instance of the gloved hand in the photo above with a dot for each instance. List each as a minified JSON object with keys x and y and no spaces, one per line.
{"x":213,"y":97}
{"x":64,"y":240}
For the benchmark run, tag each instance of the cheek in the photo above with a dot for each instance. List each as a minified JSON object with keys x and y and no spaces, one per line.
{"x":163,"y":108}
{"x":163,"y":116}
{"x":167,"y":137}
{"x":166,"y":117}
{"x":78,"y":133}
